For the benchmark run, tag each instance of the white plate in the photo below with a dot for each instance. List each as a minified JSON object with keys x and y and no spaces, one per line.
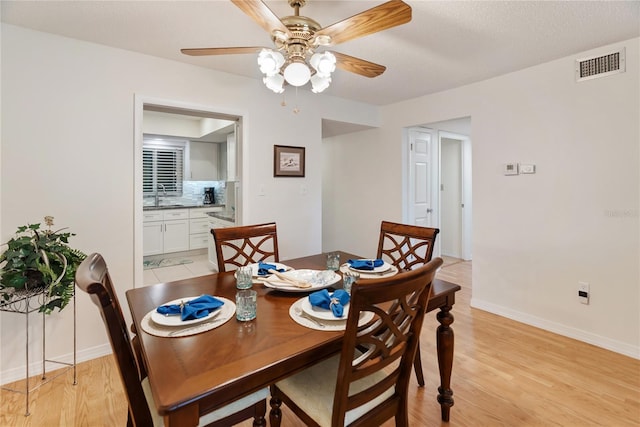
{"x":384,"y":267}
{"x":335,"y":324}
{"x":303,"y":274}
{"x":176,"y":320}
{"x":322,"y":313}
{"x":255,"y":268}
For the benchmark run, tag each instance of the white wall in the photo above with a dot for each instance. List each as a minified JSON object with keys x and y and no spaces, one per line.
{"x":68,"y":150}
{"x":535,"y":236}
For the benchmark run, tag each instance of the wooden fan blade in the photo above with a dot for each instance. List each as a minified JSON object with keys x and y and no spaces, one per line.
{"x":260,"y":12}
{"x":379,"y":18}
{"x":358,"y":66}
{"x":220,"y":50}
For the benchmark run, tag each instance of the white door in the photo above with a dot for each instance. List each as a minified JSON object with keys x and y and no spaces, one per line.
{"x":420,"y":174}
{"x":451,"y":197}
{"x":456,"y":204}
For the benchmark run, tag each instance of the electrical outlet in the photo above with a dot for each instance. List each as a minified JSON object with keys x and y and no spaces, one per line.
{"x":583,"y":292}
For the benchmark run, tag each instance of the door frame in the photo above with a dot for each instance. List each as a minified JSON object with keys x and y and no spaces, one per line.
{"x":139,"y":102}
{"x":407,"y":179}
{"x":467,"y":202}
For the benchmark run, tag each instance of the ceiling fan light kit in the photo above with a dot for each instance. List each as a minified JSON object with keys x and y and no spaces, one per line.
{"x":297,"y":73}
{"x":319,"y":83}
{"x":270,"y":62}
{"x":295,"y":60}
{"x":275,"y":82}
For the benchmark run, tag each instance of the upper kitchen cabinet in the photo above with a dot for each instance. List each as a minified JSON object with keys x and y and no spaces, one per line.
{"x":231,"y":157}
{"x":203,"y":161}
{"x":227,"y":164}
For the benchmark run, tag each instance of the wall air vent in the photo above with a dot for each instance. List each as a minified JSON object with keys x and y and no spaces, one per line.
{"x":600,"y":66}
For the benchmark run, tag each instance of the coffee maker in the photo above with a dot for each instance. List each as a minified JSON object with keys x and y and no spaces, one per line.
{"x":209,"y":196}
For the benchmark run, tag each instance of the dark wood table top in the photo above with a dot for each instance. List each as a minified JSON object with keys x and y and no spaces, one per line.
{"x":190,"y":375}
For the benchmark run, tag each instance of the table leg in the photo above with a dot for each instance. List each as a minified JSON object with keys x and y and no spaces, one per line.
{"x":444,"y":340}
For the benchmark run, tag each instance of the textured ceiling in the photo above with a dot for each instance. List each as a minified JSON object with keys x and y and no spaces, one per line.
{"x":447,"y":44}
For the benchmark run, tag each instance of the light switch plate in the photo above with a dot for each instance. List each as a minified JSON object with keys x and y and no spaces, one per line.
{"x":527,"y":168}
{"x":511,"y":169}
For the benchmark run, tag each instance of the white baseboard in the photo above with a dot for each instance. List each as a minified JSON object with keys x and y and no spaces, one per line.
{"x":560,"y":329}
{"x":35,"y":368}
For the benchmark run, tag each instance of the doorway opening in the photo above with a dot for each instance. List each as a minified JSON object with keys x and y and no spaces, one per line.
{"x":437,"y":183}
{"x":187,"y":167}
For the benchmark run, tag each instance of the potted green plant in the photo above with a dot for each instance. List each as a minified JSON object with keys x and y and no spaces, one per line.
{"x":40,"y":259}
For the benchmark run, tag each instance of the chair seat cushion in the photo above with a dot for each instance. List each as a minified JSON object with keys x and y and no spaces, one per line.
{"x":216,"y":415}
{"x":314,"y":388}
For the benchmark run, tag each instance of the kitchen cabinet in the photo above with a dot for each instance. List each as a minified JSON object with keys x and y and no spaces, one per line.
{"x":176,"y":236}
{"x":199,"y":230}
{"x":152,"y":238}
{"x":203,"y":161}
{"x":165,"y":231}
{"x":216,"y":223}
{"x":231,"y":157}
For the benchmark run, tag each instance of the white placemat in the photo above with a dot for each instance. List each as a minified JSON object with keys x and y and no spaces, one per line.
{"x":300,"y":317}
{"x":364,"y":275}
{"x":227,"y":311}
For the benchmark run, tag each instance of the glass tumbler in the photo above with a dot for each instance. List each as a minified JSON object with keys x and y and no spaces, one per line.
{"x":333,"y":261}
{"x":348,"y":279}
{"x":246,"y":304}
{"x":244,"y":277}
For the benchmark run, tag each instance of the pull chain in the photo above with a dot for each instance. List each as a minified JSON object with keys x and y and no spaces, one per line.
{"x":296,"y":110}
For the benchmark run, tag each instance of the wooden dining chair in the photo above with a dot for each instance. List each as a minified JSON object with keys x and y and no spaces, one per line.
{"x":407,"y":247}
{"x":242,"y":245}
{"x":92,"y":276}
{"x":367,"y":383}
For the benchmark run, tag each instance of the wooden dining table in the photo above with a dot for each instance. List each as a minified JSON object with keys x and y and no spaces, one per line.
{"x":192,"y":375}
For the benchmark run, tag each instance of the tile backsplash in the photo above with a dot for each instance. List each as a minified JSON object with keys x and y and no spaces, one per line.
{"x":194,"y":190}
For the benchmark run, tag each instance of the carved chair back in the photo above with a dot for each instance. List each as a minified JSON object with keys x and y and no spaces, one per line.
{"x":406,"y":246}
{"x":242,"y":245}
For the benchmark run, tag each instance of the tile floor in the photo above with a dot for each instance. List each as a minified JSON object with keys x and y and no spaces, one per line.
{"x":199,"y":267}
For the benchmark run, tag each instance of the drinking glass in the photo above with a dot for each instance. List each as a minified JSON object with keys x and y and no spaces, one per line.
{"x":246,"y":304}
{"x":244,"y":277}
{"x":348,"y":279}
{"x":333,"y":261}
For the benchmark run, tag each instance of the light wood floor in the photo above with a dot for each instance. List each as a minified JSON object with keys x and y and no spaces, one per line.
{"x":504,"y":374}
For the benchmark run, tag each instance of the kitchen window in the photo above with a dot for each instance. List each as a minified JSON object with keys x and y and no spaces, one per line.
{"x":162,"y":167}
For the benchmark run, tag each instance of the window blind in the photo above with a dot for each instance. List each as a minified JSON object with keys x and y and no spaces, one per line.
{"x":162,"y":169}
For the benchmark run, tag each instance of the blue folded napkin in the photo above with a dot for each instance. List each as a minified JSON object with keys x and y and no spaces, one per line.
{"x":365,"y":264}
{"x":194,"y":309}
{"x":263,"y":269}
{"x":334,"y":302}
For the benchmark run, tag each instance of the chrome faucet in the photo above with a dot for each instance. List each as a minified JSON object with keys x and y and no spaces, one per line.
{"x":164,"y":193}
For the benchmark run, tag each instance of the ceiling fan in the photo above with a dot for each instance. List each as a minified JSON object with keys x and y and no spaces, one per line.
{"x":296,"y":58}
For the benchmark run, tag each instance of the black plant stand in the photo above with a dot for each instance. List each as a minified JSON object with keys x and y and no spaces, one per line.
{"x":26,"y":302}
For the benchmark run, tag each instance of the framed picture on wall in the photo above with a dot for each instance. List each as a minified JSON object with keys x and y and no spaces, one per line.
{"x":288,"y":161}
